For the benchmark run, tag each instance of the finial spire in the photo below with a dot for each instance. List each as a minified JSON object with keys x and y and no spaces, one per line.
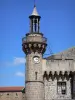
{"x":35,"y":11}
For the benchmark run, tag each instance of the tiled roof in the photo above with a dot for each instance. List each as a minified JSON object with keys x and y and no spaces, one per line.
{"x":11,"y":89}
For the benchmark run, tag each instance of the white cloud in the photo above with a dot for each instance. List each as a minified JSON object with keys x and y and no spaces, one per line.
{"x":16,"y":62}
{"x":20,"y":74}
{"x":19,"y":60}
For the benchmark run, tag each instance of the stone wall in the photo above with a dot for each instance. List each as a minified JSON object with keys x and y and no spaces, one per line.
{"x":32,"y":67}
{"x":50,"y":88}
{"x":60,"y":65}
{"x":12,"y":96}
{"x":35,"y":91}
{"x":34,"y":83}
{"x":50,"y":85}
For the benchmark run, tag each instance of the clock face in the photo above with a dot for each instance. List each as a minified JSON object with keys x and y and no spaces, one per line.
{"x":36,"y":59}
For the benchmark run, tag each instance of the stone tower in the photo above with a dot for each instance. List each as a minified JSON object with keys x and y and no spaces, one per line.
{"x":34,"y":46}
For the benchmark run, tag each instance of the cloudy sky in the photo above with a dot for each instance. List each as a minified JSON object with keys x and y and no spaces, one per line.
{"x":57,"y":24}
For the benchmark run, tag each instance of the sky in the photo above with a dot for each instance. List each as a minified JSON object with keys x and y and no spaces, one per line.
{"x":57,"y":24}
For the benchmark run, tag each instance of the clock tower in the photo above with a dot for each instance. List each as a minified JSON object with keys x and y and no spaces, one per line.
{"x":34,"y":46}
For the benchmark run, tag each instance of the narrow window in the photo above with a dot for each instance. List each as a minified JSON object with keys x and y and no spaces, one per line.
{"x":35,"y":75}
{"x":61,"y":88}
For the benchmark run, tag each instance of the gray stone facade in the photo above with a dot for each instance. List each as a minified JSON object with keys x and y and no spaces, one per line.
{"x":59,"y":69}
{"x":34,"y":87}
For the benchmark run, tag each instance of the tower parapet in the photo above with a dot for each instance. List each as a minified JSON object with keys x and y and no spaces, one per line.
{"x":34,"y":43}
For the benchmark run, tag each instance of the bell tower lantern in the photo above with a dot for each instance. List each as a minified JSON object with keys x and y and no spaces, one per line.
{"x":34,"y":21}
{"x":34,"y":46}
